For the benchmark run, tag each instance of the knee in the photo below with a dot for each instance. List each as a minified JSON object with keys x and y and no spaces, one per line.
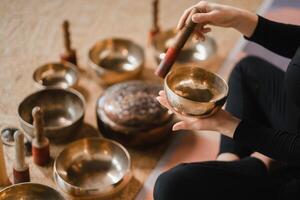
{"x":248,"y":64}
{"x":180,"y":181}
{"x":167,"y":183}
{"x":245,"y":67}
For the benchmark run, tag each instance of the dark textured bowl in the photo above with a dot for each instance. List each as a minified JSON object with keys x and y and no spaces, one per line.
{"x":129,"y":113}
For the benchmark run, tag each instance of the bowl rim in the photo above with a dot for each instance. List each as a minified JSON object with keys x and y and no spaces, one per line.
{"x":102,"y":69}
{"x":69,"y":90}
{"x":209,"y":39}
{"x":189,"y":100}
{"x":107,"y":188}
{"x":33,"y":184}
{"x":64,"y":64}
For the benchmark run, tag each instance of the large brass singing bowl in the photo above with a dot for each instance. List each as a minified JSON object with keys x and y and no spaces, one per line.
{"x":193,"y":51}
{"x":30,"y":191}
{"x":116,"y":60}
{"x":62,"y":75}
{"x":195,"y":92}
{"x":92,"y":168}
{"x":63,"y":112}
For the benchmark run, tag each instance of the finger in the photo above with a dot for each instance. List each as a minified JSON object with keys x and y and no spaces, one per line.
{"x":206,"y":30}
{"x":162,"y":93}
{"x":165,"y":103}
{"x":183,"y":18}
{"x":201,"y":18}
{"x":182,"y":125}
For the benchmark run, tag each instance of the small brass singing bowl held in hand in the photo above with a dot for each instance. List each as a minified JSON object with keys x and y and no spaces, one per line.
{"x":195,"y":92}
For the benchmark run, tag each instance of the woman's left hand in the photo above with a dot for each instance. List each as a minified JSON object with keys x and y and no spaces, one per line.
{"x":222,"y":121}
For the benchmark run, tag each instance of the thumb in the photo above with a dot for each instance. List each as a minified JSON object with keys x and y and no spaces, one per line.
{"x":201,"y":18}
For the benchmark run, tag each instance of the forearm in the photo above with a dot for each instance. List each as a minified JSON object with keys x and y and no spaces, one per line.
{"x":245,"y":22}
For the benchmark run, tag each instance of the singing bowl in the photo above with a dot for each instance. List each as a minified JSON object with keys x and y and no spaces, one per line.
{"x":62,"y":75}
{"x":30,"y":191}
{"x":195,"y":92}
{"x":194,"y":51}
{"x":116,"y":60}
{"x":92,"y":168}
{"x":129,"y":113}
{"x":63,"y":112}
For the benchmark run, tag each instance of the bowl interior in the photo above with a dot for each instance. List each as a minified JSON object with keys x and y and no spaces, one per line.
{"x":196,"y":84}
{"x":29,"y":191}
{"x":93,"y":163}
{"x":192,"y":51}
{"x":56,"y":74}
{"x":61,"y":107}
{"x":117,"y":55}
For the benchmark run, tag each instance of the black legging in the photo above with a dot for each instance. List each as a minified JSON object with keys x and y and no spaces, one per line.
{"x":256,"y":93}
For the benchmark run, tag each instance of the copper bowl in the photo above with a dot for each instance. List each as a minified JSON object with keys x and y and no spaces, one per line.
{"x":30,"y":191}
{"x":63,"y":75}
{"x":115,"y":60}
{"x":195,"y":92}
{"x":92,"y":168}
{"x":129,"y":113}
{"x":194,"y":51}
{"x":63,"y":112}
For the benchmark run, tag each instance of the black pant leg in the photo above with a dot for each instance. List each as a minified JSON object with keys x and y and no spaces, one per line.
{"x":254,"y":85}
{"x":214,"y":180}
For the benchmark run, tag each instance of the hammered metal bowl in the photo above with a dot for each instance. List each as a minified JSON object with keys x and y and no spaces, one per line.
{"x":30,"y":191}
{"x":129,"y":113}
{"x":62,"y":75}
{"x":194,"y":51}
{"x":92,"y":167}
{"x":116,"y":60}
{"x":195,"y":92}
{"x":63,"y":112}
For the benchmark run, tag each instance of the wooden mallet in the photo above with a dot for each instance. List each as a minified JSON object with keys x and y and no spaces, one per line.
{"x":70,"y":54}
{"x":20,"y":168}
{"x":174,"y":50}
{"x":4,"y":180}
{"x":40,"y":143}
{"x":155,"y":27}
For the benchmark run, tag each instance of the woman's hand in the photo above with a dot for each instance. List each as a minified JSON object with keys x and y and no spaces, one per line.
{"x":266,"y":160}
{"x":222,"y":121}
{"x":219,"y":15}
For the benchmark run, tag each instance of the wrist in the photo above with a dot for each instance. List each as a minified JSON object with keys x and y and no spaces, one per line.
{"x":245,"y":22}
{"x":228,"y":126}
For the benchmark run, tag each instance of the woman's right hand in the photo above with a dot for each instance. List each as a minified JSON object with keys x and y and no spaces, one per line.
{"x":219,"y":15}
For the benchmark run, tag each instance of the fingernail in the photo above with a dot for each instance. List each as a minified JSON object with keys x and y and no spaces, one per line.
{"x":170,"y":112}
{"x":175,"y":128}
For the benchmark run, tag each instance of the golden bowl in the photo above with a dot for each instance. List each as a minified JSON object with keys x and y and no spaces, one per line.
{"x":115,"y":60}
{"x":194,"y":51}
{"x":195,"y":92}
{"x":63,"y":75}
{"x":92,"y":168}
{"x":63,"y":112}
{"x":30,"y":191}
